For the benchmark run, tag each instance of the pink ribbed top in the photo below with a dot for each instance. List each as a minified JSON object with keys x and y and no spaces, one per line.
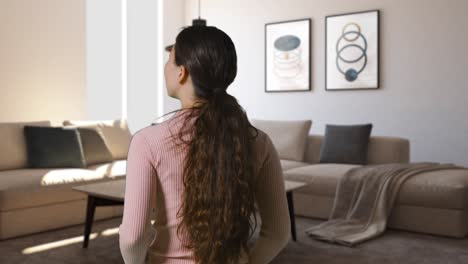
{"x":154,"y":188}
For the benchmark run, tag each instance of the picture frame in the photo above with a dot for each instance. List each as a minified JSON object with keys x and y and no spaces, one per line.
{"x":352,"y":51}
{"x":288,"y":56}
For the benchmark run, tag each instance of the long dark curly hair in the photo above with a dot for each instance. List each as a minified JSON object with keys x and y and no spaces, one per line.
{"x":218,"y":208}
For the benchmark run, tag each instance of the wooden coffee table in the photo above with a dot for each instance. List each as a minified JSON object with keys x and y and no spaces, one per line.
{"x":290,"y":186}
{"x":111,"y":193}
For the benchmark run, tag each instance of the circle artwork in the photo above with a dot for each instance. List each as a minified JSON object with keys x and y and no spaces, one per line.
{"x":350,"y":36}
{"x":287,"y":43}
{"x":351,"y":24}
{"x":287,"y":56}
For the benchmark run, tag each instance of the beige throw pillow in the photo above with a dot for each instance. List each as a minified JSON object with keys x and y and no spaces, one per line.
{"x":288,"y":136}
{"x":116,"y":134}
{"x":13,"y":154}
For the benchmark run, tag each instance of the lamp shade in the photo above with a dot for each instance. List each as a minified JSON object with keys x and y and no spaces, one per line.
{"x":198,"y":22}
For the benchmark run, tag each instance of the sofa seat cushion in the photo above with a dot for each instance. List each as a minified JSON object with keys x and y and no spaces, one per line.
{"x":24,"y":188}
{"x":444,"y":189}
{"x":323,"y":178}
{"x":291,"y":164}
{"x":115,"y":168}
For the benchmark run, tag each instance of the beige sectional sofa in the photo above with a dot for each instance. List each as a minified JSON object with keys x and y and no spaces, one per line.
{"x":35,"y":200}
{"x":433,"y":202}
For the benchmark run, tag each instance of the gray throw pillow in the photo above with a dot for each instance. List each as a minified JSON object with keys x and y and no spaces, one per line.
{"x":288,"y":136}
{"x":345,"y":144}
{"x":53,"y":147}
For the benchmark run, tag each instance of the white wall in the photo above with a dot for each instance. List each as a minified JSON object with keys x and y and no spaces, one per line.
{"x":423,"y":90}
{"x":42,"y":60}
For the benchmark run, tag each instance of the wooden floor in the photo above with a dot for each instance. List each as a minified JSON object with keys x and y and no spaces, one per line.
{"x":65,"y":246}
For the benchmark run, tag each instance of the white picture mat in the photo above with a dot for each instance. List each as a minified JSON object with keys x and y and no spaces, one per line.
{"x":368,"y":78}
{"x":300,"y":29}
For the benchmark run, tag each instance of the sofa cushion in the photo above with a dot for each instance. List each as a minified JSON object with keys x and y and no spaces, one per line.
{"x":23,"y":188}
{"x":444,"y":189}
{"x":345,"y":144}
{"x":54,"y":147}
{"x":94,"y":147}
{"x":288,"y":137}
{"x":291,"y":164}
{"x":323,"y":178}
{"x":115,"y":168}
{"x":116,"y":134}
{"x":13,"y":144}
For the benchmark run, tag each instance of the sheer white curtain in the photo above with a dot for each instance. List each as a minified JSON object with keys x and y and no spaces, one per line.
{"x":104,"y":59}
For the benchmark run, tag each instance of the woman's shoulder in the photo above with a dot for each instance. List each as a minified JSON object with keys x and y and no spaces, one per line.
{"x":262,"y":137}
{"x":153,"y":133}
{"x":263,"y":143}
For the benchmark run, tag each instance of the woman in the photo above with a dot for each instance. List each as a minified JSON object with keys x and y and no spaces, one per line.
{"x":204,"y":172}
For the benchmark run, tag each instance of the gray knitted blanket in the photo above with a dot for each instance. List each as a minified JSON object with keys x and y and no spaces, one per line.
{"x":364,"y":200}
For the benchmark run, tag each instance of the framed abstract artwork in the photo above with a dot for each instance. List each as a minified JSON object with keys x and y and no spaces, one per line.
{"x":352,"y":51}
{"x":288,"y":56}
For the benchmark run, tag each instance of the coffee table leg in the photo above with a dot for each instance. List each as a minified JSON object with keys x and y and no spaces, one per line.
{"x":89,"y":220}
{"x":289,"y":196}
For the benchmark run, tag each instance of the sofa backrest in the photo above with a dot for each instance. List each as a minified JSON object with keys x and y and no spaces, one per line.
{"x":381,"y":149}
{"x":13,"y":154}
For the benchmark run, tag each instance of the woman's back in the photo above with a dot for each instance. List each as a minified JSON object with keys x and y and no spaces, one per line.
{"x":203,"y":172}
{"x":164,"y":183}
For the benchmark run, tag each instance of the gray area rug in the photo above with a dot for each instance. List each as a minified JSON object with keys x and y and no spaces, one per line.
{"x":392,"y":247}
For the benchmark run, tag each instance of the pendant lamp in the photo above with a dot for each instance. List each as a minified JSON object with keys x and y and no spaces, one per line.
{"x":198,"y":21}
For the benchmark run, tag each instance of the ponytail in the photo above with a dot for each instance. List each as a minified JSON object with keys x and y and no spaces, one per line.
{"x":218,"y":201}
